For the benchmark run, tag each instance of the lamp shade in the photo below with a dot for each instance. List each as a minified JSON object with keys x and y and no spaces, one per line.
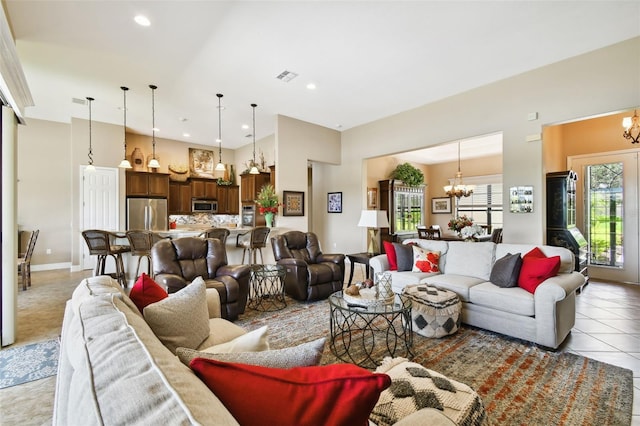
{"x":373,"y":219}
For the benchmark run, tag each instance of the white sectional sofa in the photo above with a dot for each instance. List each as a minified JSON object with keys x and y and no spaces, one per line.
{"x":545,"y":317}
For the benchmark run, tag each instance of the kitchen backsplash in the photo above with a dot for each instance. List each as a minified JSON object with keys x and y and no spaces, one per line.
{"x":214,"y":220}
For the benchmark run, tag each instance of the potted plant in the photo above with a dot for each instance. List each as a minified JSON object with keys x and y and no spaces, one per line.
{"x":267,"y":202}
{"x":408,"y":174}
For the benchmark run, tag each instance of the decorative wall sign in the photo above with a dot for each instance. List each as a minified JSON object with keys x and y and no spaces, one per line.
{"x":201,"y":163}
{"x":521,"y":199}
{"x":334,"y":202}
{"x":440,"y":205}
{"x":293,"y":203}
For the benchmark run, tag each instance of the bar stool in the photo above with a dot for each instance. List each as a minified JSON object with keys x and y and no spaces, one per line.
{"x":253,"y":241}
{"x":141,"y":242}
{"x":24,"y":262}
{"x":219,"y":233}
{"x":101,"y":244}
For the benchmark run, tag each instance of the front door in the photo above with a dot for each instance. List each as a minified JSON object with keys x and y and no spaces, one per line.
{"x":607,"y":189}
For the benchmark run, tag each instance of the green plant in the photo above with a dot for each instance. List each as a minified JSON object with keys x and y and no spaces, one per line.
{"x":267,"y":200}
{"x":408,"y":174}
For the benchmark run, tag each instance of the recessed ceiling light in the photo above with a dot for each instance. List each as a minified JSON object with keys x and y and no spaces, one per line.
{"x":182,"y":119}
{"x":245,"y":126}
{"x":142,"y":20}
{"x":155,"y":129}
{"x":311,"y":86}
{"x":186,"y":135}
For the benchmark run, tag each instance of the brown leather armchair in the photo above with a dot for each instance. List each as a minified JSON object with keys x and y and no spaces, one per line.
{"x":178,"y":262}
{"x":311,"y":275}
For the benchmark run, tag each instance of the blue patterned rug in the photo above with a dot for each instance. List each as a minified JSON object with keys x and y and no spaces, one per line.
{"x":27,"y":363}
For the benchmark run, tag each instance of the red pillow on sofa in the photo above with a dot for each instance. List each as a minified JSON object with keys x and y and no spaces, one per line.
{"x":146,"y":291}
{"x":391,"y":255}
{"x":337,"y":394}
{"x":536,"y":267}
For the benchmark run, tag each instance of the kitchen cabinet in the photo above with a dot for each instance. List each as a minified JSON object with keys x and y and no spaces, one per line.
{"x":228,"y":199}
{"x":206,"y":189}
{"x":143,"y":184}
{"x":250,"y":185}
{"x":179,"y":198}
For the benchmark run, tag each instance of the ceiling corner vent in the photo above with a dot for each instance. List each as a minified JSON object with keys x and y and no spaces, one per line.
{"x":286,"y":76}
{"x":78,"y":101}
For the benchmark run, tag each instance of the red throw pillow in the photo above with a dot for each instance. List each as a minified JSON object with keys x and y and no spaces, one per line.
{"x":391,"y":255}
{"x":337,"y":394}
{"x":536,"y":268}
{"x":146,"y":291}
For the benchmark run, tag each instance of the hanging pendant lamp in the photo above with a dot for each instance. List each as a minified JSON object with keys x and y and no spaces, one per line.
{"x":125,"y":164}
{"x":254,"y":169}
{"x":458,"y":189}
{"x":90,"y":167}
{"x":220,"y":166}
{"x":153,"y":163}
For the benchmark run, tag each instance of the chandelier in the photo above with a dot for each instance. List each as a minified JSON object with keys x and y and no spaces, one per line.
{"x":630,"y":124}
{"x":458,"y":189}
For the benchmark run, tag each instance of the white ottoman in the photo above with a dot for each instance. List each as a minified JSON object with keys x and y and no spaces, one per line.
{"x":435,"y":312}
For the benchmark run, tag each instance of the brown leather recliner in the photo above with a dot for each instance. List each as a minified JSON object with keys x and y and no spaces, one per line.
{"x":178,"y":262}
{"x":311,"y":275}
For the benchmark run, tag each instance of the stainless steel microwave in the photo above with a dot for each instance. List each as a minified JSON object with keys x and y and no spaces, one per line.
{"x":204,"y":206}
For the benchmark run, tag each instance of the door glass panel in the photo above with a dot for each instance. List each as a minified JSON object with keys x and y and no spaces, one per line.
{"x":605,"y":206}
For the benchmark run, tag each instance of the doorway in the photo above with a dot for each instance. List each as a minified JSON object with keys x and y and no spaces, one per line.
{"x":607,"y":190}
{"x":98,"y":204}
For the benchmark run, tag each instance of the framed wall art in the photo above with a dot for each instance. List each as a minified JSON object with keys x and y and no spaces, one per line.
{"x":334,"y":202}
{"x":293,"y":203}
{"x":201,"y":163}
{"x":521,"y":199}
{"x":372,"y":198}
{"x":440,"y":205}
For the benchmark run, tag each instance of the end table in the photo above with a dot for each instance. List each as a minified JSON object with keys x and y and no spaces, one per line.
{"x":362,"y":258}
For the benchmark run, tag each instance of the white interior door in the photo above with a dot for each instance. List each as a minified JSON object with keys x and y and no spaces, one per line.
{"x":623,"y":257}
{"x":99,"y":205}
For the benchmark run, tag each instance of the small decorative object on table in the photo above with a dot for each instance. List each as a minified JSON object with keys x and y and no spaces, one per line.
{"x":268,"y":203}
{"x":178,"y":173}
{"x":383,"y":283}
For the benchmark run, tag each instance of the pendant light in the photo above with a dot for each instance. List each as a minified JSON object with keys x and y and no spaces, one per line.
{"x":254,"y":169}
{"x":220,"y":166}
{"x":125,"y":164}
{"x":631,"y":125}
{"x":153,"y":163}
{"x":458,"y":189}
{"x":90,"y":167}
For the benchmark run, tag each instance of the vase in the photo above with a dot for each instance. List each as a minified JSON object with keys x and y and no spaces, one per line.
{"x":268,"y":217}
{"x":383,"y":285}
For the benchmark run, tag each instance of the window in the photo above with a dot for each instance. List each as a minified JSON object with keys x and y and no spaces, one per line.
{"x":485,"y":204}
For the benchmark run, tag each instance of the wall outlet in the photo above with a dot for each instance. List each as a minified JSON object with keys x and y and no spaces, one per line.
{"x":48,"y":251}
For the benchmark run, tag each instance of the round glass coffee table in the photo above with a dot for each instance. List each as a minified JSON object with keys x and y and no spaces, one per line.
{"x":363,"y":334}
{"x":267,"y":288}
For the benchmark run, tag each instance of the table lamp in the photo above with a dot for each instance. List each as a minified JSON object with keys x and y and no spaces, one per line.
{"x":373,"y":219}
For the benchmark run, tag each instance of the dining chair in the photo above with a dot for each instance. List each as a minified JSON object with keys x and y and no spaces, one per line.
{"x":24,"y":263}
{"x":428,"y":233}
{"x":141,"y":242}
{"x":253,"y":241}
{"x":219,"y":233}
{"x":102,"y":244}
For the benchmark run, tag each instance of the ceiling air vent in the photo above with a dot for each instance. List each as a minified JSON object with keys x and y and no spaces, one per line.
{"x":286,"y":76}
{"x":78,"y":101}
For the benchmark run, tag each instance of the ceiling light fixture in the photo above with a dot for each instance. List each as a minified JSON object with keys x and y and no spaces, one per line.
{"x":631,"y":124}
{"x":220,"y":166}
{"x":142,"y":20}
{"x":153,"y":163}
{"x":458,"y":189}
{"x":311,"y":86}
{"x":254,"y":168}
{"x":125,"y":164}
{"x":90,"y":167}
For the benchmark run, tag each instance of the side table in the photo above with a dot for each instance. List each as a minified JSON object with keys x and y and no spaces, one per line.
{"x":362,"y":258}
{"x":267,"y":288}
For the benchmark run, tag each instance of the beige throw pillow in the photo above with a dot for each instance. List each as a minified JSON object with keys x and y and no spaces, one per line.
{"x":182,"y":319}
{"x":304,"y":355}
{"x":253,"y":341}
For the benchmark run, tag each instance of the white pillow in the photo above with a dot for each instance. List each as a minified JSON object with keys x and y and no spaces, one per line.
{"x":182,"y":319}
{"x":253,"y":341}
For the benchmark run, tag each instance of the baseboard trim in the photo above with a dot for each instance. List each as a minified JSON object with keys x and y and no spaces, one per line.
{"x":51,"y":266}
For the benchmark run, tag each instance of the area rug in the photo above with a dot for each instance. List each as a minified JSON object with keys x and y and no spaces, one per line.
{"x":28,"y":363}
{"x":520,"y":383}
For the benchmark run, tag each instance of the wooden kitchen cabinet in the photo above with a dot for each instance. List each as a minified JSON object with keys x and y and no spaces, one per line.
{"x":228,"y":199}
{"x":179,"y":198}
{"x":206,"y":189}
{"x":250,"y":185}
{"x":143,"y":184}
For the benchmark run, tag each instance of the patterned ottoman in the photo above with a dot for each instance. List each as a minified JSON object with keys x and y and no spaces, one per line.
{"x":435,"y":312}
{"x":414,"y":387}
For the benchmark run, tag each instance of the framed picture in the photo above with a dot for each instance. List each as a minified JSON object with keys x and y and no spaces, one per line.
{"x":440,"y":205}
{"x":372,"y":198}
{"x":201,"y":163}
{"x":293,"y":203}
{"x":334,"y":202}
{"x":521,"y":199}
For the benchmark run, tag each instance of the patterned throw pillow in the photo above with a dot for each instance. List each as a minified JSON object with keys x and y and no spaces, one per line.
{"x":425,"y":260}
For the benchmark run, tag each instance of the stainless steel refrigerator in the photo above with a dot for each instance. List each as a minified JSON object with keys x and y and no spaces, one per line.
{"x":147,"y":213}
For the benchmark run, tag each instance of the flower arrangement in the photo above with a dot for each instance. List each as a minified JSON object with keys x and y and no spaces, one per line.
{"x":469,"y":232}
{"x":458,"y":223}
{"x":267,"y":200}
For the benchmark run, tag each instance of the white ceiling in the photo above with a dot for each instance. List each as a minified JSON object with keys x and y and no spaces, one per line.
{"x":368,"y":60}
